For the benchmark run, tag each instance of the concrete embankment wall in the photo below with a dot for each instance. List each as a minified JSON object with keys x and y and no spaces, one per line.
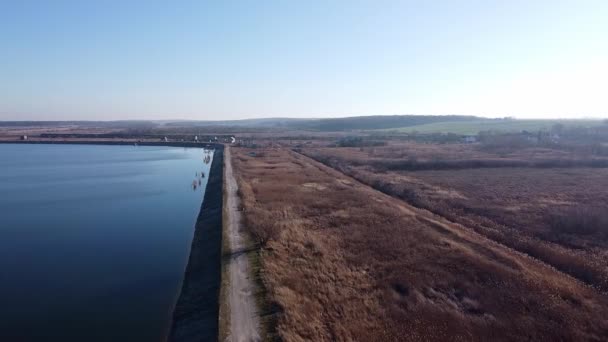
{"x":195,"y":317}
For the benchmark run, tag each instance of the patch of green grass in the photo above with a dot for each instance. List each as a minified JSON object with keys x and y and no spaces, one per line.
{"x":475,"y":126}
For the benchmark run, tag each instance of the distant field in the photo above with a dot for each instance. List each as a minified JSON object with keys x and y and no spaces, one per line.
{"x":475,"y":126}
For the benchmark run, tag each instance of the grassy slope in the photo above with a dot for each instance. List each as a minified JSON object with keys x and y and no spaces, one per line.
{"x":475,"y":126}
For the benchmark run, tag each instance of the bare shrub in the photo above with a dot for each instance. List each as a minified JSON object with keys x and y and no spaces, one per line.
{"x":262,"y":226}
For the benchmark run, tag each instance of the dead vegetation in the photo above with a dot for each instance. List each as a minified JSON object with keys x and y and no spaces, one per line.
{"x":411,"y":156}
{"x":553,"y":214}
{"x":341,"y":261}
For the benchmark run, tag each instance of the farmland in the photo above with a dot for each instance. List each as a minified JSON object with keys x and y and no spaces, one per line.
{"x":342,"y":261}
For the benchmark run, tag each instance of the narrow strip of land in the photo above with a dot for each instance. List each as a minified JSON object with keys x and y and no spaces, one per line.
{"x":197,"y":308}
{"x":244,"y":320}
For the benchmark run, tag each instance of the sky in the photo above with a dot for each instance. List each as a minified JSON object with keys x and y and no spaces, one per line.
{"x":219,"y":60}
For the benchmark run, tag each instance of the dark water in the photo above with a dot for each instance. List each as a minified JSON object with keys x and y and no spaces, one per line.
{"x":94,"y":240}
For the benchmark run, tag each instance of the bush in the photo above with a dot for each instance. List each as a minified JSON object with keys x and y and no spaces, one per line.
{"x":263,"y":228}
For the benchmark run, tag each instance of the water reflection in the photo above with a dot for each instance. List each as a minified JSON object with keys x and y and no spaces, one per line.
{"x":198,"y":177}
{"x":95,"y":249}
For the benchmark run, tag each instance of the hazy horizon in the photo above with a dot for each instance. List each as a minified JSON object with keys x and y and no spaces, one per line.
{"x":197,"y":60}
{"x":581,"y":118}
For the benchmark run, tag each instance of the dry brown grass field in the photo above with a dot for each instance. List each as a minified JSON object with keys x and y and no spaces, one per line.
{"x":404,"y":155}
{"x":555,"y":214}
{"x":341,"y":261}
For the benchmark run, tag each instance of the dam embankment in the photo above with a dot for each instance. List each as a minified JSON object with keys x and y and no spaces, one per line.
{"x":195,"y":317}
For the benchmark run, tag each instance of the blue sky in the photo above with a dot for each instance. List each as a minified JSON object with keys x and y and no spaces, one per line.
{"x":105,"y":60}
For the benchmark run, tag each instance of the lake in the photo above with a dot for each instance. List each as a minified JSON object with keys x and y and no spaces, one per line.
{"x":94,"y":239}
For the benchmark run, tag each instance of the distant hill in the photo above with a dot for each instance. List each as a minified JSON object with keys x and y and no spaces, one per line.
{"x":473,"y":127}
{"x":378,"y":122}
{"x":335,"y":124}
{"x":263,"y":122}
{"x":459,"y":124}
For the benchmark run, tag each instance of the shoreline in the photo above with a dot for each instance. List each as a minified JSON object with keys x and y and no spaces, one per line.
{"x":195,"y":315}
{"x":216,"y":146}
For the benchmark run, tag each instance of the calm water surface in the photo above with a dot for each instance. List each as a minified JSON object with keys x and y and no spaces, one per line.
{"x":94,"y":240}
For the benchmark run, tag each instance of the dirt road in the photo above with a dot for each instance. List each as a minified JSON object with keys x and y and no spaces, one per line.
{"x":244,"y":320}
